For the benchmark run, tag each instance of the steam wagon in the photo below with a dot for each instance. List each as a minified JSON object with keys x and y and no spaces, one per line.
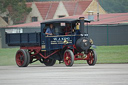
{"x":64,"y":46}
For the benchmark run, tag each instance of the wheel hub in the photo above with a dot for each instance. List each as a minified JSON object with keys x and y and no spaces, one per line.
{"x":21,"y":58}
{"x":67,"y":58}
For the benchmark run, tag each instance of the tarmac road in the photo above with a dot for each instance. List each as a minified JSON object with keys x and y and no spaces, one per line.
{"x":59,"y":74}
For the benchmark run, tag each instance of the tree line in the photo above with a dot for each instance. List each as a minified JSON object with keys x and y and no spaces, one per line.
{"x":115,"y":6}
{"x":18,"y":9}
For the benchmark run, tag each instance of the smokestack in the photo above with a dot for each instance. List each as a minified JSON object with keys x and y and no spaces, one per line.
{"x":82,"y":30}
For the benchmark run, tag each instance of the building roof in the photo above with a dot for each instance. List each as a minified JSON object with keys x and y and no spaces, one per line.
{"x":70,"y":7}
{"x":52,"y":10}
{"x":104,"y":19}
{"x":114,"y":18}
{"x":76,"y":7}
{"x":47,"y":9}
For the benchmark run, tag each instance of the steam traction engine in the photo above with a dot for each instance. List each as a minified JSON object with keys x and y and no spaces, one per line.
{"x":47,"y":49}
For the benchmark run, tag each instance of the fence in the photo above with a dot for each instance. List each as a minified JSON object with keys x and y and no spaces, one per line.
{"x":101,"y":35}
{"x":109,"y":34}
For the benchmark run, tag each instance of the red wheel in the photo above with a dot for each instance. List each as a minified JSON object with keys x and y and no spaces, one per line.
{"x":22,"y":58}
{"x":92,"y":57}
{"x":68,"y":58}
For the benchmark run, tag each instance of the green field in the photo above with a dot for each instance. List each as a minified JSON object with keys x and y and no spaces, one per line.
{"x":105,"y":54}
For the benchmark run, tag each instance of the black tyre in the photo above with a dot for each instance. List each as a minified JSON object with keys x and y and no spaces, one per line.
{"x":28,"y":56}
{"x":49,"y":62}
{"x":92,"y":57}
{"x":68,"y":58}
{"x":22,"y":58}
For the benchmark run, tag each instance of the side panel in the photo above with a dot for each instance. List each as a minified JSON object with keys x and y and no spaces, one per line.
{"x":23,"y":39}
{"x":57,"y":42}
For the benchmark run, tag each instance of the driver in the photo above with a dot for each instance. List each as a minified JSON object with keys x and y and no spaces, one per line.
{"x":50,"y":30}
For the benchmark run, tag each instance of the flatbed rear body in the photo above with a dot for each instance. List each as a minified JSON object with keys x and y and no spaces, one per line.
{"x":23,"y":39}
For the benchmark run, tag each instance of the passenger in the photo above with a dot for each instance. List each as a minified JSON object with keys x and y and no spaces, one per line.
{"x":77,"y":29}
{"x":67,"y":29}
{"x":50,"y":30}
{"x":77,"y":26}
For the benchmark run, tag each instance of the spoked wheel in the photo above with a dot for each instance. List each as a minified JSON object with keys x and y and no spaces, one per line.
{"x":49,"y":62}
{"x":68,"y":58}
{"x":92,"y":57}
{"x":22,"y":58}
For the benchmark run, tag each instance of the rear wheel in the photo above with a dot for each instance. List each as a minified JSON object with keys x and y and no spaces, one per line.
{"x":49,"y":62}
{"x":28,"y":57}
{"x":68,"y":58}
{"x":92,"y":57}
{"x":22,"y":58}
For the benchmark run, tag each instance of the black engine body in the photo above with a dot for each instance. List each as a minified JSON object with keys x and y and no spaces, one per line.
{"x":83,"y":44}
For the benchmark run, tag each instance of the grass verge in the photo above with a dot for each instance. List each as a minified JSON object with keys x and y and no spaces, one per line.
{"x":105,"y":54}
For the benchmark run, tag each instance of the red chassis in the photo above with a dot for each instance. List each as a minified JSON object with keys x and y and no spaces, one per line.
{"x":69,"y":55}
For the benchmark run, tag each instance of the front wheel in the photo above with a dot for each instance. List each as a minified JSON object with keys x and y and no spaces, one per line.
{"x":68,"y":58}
{"x":92,"y":57}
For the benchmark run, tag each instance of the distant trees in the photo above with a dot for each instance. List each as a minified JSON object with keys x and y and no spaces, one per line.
{"x":114,"y":6}
{"x":18,"y":9}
